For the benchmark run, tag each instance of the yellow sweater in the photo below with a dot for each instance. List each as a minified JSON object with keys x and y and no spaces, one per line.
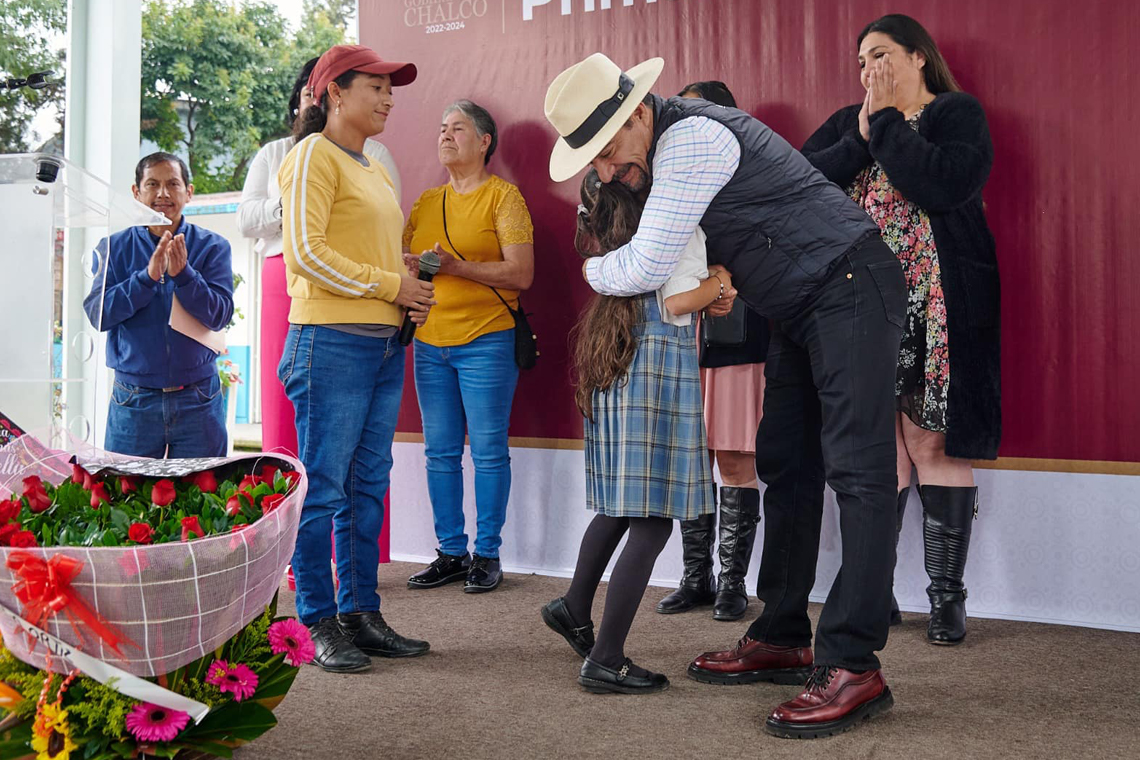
{"x":481,"y":223}
{"x":341,"y":226}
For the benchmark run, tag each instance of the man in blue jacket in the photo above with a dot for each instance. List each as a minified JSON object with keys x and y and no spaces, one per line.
{"x":167,"y":396}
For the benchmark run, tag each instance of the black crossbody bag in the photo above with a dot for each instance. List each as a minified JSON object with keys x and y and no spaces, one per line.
{"x":526,"y":342}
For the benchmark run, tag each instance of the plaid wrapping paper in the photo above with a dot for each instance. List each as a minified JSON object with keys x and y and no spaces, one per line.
{"x":176,"y":601}
{"x":646,"y":451}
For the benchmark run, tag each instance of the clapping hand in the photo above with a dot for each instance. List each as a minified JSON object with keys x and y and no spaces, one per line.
{"x":176,"y":255}
{"x":156,"y":267}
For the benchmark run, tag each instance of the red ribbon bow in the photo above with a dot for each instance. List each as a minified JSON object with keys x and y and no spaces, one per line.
{"x":45,"y":589}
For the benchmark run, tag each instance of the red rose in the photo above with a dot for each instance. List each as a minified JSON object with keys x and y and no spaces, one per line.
{"x":234,"y":505}
{"x":34,"y":492}
{"x":23,"y":539}
{"x":81,"y":477}
{"x":249,"y":482}
{"x":205,"y":481}
{"x":268,"y":474}
{"x":9,"y":509}
{"x":98,"y":494}
{"x":293,"y":477}
{"x":190,"y":526}
{"x":6,"y":533}
{"x":271,"y":502}
{"x":239,"y":526}
{"x":140,"y":533}
{"x":128,"y":484}
{"x":163,"y":493}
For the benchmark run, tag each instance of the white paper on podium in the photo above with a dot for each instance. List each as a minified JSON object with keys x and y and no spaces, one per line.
{"x":187,"y":324}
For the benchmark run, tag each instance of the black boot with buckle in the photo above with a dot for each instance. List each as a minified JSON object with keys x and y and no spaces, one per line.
{"x":947,"y":522}
{"x":896,"y":614}
{"x":698,"y":587}
{"x":739,"y":514}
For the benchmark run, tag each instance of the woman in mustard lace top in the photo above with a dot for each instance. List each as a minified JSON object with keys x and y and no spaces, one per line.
{"x":465,"y":354}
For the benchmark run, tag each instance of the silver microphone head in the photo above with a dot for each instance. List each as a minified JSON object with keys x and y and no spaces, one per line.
{"x":429,"y":263}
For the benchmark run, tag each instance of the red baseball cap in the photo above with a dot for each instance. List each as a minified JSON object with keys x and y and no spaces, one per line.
{"x":342,"y":58}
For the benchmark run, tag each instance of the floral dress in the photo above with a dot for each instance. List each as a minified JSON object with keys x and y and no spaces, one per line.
{"x":923,"y":381}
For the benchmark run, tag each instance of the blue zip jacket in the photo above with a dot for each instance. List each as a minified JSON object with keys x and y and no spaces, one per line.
{"x":141,"y":347}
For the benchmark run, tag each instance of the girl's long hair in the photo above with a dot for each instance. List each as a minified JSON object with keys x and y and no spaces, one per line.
{"x":603,"y":340}
{"x":912,"y":36}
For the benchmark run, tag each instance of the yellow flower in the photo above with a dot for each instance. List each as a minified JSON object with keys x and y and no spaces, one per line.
{"x":51,"y":735}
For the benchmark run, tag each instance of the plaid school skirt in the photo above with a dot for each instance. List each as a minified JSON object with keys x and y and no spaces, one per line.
{"x":646,"y":451}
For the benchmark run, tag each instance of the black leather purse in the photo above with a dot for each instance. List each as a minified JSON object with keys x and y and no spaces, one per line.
{"x":729,"y":331}
{"x":526,"y":342}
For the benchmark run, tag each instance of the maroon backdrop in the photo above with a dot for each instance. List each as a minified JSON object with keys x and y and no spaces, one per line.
{"x":1056,"y":80}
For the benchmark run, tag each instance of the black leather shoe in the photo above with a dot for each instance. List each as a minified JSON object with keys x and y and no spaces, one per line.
{"x":602,"y":680}
{"x":447,"y":568}
{"x":558,"y":618}
{"x":485,"y":574}
{"x":335,"y":652}
{"x":371,"y":635}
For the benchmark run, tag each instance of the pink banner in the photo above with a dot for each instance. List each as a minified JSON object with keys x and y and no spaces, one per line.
{"x":1054,"y":78}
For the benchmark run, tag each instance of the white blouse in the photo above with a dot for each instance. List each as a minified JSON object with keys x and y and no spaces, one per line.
{"x":259,"y":212}
{"x":691,"y":270}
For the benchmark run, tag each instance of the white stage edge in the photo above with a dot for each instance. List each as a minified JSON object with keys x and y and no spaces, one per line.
{"x":1058,"y":548}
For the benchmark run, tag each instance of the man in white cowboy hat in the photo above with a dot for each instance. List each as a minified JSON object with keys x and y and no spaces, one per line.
{"x":803,"y":254}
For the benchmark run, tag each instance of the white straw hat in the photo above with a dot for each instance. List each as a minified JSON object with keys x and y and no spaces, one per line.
{"x":588,"y":103}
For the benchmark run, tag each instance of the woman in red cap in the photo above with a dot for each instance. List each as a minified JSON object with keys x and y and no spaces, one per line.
{"x":343,"y":366}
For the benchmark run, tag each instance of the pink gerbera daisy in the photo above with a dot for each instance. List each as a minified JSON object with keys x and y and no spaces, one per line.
{"x":291,"y":638}
{"x":153,"y":723}
{"x":238,"y":680}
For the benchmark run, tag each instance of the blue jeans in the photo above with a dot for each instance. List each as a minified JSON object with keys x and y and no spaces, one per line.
{"x":148,"y":422}
{"x":468,"y":388}
{"x":346,"y":391}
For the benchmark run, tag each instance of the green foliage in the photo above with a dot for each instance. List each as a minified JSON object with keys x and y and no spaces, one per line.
{"x":216,"y":80}
{"x":28,"y":29}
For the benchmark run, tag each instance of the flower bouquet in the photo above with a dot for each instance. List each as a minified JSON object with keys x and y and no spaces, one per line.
{"x":137,"y":601}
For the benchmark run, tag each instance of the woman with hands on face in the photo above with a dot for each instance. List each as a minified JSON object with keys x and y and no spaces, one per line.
{"x":915,"y":155}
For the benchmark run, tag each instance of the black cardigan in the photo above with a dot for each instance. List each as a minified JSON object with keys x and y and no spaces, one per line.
{"x":942,"y":168}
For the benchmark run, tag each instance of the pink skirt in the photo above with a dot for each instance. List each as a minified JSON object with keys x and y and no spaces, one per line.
{"x":278,"y":428}
{"x":734,"y":403}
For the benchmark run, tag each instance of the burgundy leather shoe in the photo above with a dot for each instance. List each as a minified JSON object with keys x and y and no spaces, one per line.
{"x":751,"y":661}
{"x":834,"y":700}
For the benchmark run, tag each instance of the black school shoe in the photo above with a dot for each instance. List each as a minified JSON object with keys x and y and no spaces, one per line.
{"x":599,"y":679}
{"x":485,"y":574}
{"x":447,"y":568}
{"x":335,"y":652}
{"x":372,"y":636}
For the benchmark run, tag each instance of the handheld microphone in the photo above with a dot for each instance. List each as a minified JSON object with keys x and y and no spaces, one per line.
{"x":429,"y":265}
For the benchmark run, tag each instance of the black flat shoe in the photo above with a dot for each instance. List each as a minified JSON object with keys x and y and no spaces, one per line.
{"x":599,"y":679}
{"x":447,"y":568}
{"x":372,"y":636}
{"x":558,"y":618}
{"x":485,"y":574}
{"x":335,"y":652}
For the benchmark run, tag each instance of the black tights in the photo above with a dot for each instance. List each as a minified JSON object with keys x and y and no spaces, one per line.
{"x":647,"y":537}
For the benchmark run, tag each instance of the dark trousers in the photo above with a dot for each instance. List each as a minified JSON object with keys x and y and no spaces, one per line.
{"x":829,"y":416}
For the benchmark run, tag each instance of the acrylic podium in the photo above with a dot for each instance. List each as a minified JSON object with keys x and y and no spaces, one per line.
{"x":53,"y":217}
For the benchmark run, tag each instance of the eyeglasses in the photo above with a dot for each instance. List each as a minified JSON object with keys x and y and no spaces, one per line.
{"x":37,"y":81}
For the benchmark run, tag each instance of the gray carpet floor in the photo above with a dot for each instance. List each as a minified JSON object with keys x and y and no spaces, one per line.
{"x":499,"y":684}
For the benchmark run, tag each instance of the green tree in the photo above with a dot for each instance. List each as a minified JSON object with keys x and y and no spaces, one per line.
{"x":217,"y":79}
{"x":336,"y":12}
{"x":29,"y":35}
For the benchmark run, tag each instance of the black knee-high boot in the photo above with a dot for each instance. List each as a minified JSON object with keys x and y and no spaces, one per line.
{"x":739,"y":513}
{"x":896,"y":615}
{"x":698,"y":587}
{"x":947,"y":521}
